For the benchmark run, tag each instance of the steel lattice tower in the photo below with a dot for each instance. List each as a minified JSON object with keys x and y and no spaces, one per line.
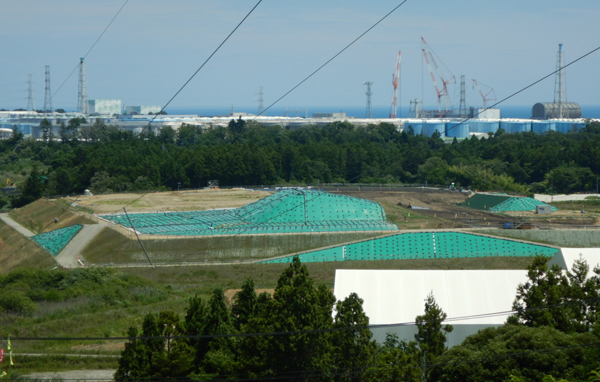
{"x":369,"y":93}
{"x":48,"y":93}
{"x":82,"y":99}
{"x":261,"y":101}
{"x":560,"y":84}
{"x":30,"y":105}
{"x":462,"y":109}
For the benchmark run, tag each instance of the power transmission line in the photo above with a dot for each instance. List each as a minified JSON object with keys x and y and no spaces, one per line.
{"x":92,"y":47}
{"x":332,"y":58}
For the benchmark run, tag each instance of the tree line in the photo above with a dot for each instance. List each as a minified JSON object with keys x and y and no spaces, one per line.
{"x":107,"y":159}
{"x":301,"y":333}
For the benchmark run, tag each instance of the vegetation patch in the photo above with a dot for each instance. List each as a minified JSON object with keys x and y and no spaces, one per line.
{"x":110,"y":246}
{"x":16,"y":251}
{"x":39,"y":216}
{"x":561,"y":238}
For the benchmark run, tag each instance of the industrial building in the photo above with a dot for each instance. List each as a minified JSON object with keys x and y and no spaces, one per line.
{"x":143,"y":110}
{"x":105,"y":106}
{"x":551,"y":110}
{"x":472,"y":299}
{"x":394,"y":298}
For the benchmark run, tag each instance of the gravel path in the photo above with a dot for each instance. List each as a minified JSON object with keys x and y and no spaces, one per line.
{"x":68,"y":256}
{"x":75,"y":375}
{"x":22,"y":230}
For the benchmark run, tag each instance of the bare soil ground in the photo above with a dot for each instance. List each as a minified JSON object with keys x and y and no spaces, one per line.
{"x":174,"y":201}
{"x":440,"y":206}
{"x":443,"y":211}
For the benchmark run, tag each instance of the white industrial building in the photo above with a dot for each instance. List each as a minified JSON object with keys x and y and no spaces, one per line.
{"x":105,"y":106}
{"x":472,"y":299}
{"x":565,"y":258}
{"x":141,"y":110}
{"x":394,"y":298}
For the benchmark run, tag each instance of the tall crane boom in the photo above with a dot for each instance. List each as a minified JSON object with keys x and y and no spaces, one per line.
{"x":443,"y":93}
{"x":484,"y":97}
{"x":437,"y":90}
{"x":395,"y":81}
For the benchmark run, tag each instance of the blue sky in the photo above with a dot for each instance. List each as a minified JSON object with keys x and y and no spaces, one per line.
{"x":153,"y":47}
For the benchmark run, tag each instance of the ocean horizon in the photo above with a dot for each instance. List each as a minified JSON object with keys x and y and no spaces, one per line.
{"x":523,"y":112}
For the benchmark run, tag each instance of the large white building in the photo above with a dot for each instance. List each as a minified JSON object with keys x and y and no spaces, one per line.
{"x":105,"y":106}
{"x":394,"y":298}
{"x":472,"y":299}
{"x":143,"y":110}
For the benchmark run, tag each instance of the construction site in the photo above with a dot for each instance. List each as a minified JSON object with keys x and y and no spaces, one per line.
{"x":207,"y":227}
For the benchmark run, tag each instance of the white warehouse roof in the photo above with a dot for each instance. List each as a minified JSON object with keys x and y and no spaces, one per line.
{"x":567,"y":256}
{"x":398,"y":296}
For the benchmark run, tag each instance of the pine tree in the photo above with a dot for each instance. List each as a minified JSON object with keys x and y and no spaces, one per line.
{"x":354,"y":349}
{"x":431,"y":334}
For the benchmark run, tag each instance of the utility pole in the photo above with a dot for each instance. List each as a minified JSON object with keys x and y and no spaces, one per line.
{"x":48,"y":93}
{"x":369,"y":93}
{"x":30,"y":105}
{"x":139,"y":240}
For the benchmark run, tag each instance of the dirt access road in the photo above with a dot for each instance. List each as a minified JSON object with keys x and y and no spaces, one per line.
{"x":442,"y":204}
{"x":438,"y":203}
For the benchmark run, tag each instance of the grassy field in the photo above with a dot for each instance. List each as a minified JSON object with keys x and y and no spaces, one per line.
{"x":561,"y":238}
{"x":17,"y":251}
{"x":112,"y":247}
{"x":39,"y":216}
{"x":588,"y":205}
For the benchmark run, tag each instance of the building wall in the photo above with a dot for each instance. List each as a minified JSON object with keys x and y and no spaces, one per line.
{"x":141,"y":109}
{"x":105,"y":106}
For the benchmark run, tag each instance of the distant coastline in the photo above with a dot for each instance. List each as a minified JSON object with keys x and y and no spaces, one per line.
{"x":354,"y":111}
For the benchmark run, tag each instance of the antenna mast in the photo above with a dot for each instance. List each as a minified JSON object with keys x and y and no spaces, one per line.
{"x":462,"y":109}
{"x":560,"y":84}
{"x":368,"y":93}
{"x":82,"y":99}
{"x":30,"y":105}
{"x":395,"y":81}
{"x":261,"y":101}
{"x":48,"y":93}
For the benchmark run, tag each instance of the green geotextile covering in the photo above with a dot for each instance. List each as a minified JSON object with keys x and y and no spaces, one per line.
{"x":484,"y":201}
{"x":502,"y":203}
{"x":285,"y":212}
{"x":424,"y":245}
{"x":55,"y":241}
{"x":519,"y":204}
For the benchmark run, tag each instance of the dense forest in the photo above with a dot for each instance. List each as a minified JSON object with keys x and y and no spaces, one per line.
{"x":301,"y":333}
{"x":107,"y":159}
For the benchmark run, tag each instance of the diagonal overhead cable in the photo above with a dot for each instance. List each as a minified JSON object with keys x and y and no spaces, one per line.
{"x":332,"y":58}
{"x":89,"y":50}
{"x":190,"y":79}
{"x":203,"y":64}
{"x":526,"y":87}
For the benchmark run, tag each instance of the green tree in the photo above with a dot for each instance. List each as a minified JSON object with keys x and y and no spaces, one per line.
{"x":353,"y":348}
{"x":431,"y":334}
{"x":567,"y":302}
{"x":133,"y":364}
{"x":528,"y":354}
{"x":32,"y":190}
{"x":46,"y":129}
{"x":244,"y":305}
{"x":298,"y":306}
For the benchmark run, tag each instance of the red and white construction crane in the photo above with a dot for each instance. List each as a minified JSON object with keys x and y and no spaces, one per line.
{"x":484,"y":97}
{"x":443,"y":93}
{"x":395,"y":81}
